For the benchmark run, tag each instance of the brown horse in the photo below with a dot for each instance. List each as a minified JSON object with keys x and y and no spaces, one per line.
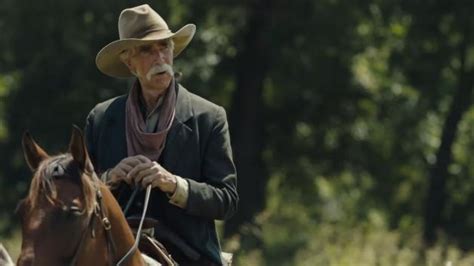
{"x":69,"y":217}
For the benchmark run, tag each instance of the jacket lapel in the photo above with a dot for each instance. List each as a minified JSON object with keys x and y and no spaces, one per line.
{"x":115,"y":139}
{"x":179,"y":133}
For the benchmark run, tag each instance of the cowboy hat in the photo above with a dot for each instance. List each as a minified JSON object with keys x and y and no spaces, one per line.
{"x":139,"y":25}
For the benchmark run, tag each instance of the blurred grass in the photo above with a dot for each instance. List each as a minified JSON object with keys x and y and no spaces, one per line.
{"x":331,"y":244}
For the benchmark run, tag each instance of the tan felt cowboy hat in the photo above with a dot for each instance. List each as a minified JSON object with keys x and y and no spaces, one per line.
{"x":139,"y":25}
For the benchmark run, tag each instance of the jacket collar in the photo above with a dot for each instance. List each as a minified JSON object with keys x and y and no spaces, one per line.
{"x":184,"y":109}
{"x":180,"y":133}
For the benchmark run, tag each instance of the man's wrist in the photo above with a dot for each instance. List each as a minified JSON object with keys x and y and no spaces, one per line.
{"x":174,"y":184}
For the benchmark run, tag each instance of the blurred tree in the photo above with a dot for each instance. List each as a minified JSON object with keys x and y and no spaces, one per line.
{"x":438,"y":60}
{"x":247,"y":117}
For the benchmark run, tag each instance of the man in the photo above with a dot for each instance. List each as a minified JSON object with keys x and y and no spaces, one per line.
{"x":162,"y":135}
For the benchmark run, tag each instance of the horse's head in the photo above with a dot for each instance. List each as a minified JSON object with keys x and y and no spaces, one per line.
{"x":57,"y":211}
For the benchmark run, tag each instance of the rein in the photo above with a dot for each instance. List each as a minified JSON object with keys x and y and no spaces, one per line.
{"x":139,"y":231}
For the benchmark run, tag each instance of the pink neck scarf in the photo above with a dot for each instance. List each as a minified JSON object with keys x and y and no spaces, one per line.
{"x":138,"y":140}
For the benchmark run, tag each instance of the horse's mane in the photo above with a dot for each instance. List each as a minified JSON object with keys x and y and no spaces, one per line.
{"x":42,"y":183}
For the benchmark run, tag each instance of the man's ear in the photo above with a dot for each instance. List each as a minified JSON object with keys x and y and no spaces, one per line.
{"x":127,"y":63}
{"x":131,"y":68}
{"x":125,"y":58}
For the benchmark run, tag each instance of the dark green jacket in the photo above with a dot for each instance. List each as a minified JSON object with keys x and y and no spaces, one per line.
{"x":197,"y":149}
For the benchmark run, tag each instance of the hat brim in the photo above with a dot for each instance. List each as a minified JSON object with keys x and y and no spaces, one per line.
{"x":108,"y":58}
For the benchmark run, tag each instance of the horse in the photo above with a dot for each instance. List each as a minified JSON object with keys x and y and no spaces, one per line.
{"x":70,"y":217}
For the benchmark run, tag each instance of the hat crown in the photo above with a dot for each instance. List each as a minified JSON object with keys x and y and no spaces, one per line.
{"x":136,"y":22}
{"x":139,"y":25}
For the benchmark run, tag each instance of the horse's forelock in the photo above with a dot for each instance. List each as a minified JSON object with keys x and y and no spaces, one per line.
{"x":42,"y":183}
{"x":40,"y":180}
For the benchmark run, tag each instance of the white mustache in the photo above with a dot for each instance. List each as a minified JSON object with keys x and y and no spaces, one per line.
{"x":158,"y":69}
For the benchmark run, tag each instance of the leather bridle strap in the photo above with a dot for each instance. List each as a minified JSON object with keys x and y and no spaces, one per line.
{"x":107,"y":226}
{"x":98,"y":211}
{"x":139,"y":231}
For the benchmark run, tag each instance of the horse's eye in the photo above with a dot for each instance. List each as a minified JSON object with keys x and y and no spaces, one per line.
{"x":57,"y":171}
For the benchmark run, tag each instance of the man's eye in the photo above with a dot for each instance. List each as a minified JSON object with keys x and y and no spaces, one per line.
{"x":145,"y":49}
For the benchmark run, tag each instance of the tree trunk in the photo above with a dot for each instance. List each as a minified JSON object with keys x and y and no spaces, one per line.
{"x":436,"y":197}
{"x":247,"y":123}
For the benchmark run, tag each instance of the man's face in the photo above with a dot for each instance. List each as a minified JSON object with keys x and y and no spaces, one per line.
{"x":149,"y":62}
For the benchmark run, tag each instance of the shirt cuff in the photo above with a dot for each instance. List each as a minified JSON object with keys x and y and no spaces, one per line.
{"x":180,"y":195}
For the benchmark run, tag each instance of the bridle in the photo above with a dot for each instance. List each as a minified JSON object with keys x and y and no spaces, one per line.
{"x":100,"y":214}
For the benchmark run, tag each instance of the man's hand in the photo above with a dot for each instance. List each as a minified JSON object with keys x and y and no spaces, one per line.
{"x":121,"y":170}
{"x":153,"y":173}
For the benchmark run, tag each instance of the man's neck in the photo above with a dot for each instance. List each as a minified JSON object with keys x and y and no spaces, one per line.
{"x":152,"y":96}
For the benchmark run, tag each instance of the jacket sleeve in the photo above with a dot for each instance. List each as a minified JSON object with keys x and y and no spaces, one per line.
{"x":216,"y":197}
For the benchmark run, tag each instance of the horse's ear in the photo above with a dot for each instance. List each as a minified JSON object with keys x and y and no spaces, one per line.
{"x":77,"y":147}
{"x":33,"y":153}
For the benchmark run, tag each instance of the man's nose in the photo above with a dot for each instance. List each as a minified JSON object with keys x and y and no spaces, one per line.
{"x":158,"y":56}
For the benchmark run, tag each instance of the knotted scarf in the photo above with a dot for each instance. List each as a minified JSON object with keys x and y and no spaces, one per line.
{"x":138,"y":140}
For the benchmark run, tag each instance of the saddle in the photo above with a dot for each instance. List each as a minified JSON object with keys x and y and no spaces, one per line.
{"x":153,"y":233}
{"x":154,"y":249}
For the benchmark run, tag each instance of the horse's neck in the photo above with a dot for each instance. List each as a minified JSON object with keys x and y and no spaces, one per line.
{"x":122,"y":235}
